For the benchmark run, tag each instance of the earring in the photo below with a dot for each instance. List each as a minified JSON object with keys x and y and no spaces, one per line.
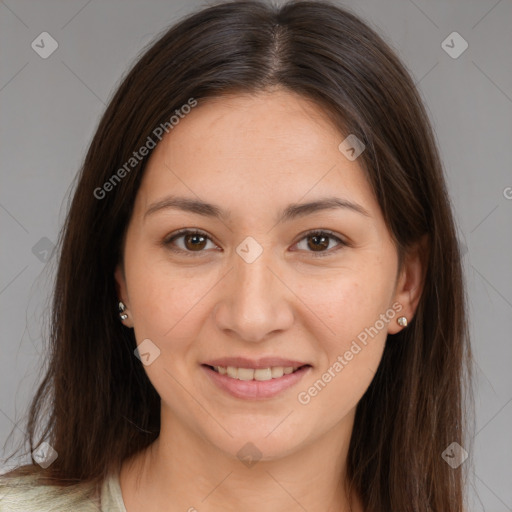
{"x":122,"y":308}
{"x":402,"y":321}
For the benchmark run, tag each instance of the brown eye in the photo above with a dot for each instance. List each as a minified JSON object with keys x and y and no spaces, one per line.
{"x":193,"y":241}
{"x":318,"y":242}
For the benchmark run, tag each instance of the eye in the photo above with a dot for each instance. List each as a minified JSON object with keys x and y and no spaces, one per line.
{"x":193,"y":240}
{"x":320,"y":242}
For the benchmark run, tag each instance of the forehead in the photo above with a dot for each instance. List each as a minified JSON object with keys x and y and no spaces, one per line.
{"x":274,"y":126}
{"x":253,"y":149}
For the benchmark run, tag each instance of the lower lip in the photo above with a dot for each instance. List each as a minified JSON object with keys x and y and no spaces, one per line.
{"x":255,"y":389}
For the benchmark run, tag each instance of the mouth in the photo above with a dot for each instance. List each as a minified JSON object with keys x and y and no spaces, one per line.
{"x":254,"y":383}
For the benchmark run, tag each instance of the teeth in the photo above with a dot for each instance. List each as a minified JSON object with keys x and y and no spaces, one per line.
{"x":255,"y":374}
{"x":263,"y":374}
{"x":277,"y":371}
{"x":242,"y":373}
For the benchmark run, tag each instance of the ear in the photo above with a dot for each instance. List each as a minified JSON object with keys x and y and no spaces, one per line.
{"x":410,"y":282}
{"x":122,"y":292}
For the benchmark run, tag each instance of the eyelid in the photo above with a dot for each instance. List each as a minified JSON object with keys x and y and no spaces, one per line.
{"x":312,"y":232}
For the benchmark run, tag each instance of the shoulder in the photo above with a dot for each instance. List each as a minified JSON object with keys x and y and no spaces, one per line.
{"x":26,"y":494}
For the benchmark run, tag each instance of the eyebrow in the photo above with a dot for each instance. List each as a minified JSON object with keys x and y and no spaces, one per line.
{"x":292,"y":211}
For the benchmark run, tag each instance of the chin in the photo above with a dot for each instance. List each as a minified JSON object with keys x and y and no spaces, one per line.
{"x":258,"y":445}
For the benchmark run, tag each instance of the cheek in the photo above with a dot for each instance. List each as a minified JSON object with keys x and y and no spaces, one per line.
{"x":169,"y":305}
{"x":351,"y":318}
{"x":349,"y":358}
{"x":159,"y":296}
{"x":347,"y":304}
{"x":169,"y":308}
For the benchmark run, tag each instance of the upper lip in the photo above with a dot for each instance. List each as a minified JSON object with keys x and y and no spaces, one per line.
{"x":264,"y":362}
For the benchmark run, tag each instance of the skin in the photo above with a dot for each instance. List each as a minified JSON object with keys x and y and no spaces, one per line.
{"x":254,"y":155}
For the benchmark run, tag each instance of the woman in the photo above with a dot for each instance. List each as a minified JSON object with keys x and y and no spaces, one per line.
{"x":259,"y":299}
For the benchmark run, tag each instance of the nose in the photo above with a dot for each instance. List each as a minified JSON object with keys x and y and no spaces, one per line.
{"x":255,"y":300}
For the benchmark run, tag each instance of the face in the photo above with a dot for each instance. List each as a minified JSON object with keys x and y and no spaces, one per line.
{"x":265,"y":282}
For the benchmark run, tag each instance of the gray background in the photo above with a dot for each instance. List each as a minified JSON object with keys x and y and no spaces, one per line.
{"x":50,"y":108}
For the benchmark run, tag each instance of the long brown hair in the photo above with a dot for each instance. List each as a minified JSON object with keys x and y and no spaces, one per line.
{"x":102,"y":407}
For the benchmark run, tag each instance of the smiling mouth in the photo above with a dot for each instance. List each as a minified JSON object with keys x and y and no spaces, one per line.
{"x":259,"y":374}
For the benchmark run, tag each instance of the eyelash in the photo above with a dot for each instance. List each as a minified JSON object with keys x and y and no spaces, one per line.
{"x":320,"y":254}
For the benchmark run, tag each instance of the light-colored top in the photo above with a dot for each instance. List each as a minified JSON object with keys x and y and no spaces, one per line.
{"x":24,"y":494}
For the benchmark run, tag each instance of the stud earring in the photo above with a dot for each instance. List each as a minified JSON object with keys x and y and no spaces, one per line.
{"x":402,"y":321}
{"x":122,"y":308}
